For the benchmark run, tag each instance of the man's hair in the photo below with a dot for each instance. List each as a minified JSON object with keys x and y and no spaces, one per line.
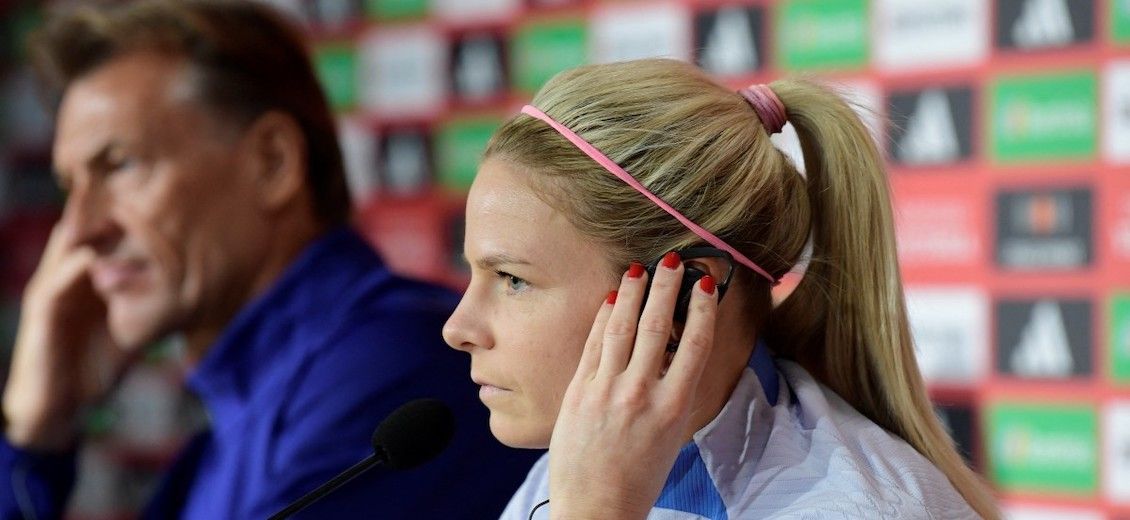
{"x":245,"y":60}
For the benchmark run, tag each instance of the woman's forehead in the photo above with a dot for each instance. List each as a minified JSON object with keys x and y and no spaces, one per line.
{"x":500,"y":196}
{"x":503,"y":209}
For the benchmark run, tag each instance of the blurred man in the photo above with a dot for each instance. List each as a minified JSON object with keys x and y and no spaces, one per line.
{"x":206,"y":197}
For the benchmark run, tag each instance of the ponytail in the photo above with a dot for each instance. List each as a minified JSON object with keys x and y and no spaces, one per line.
{"x":846,"y":320}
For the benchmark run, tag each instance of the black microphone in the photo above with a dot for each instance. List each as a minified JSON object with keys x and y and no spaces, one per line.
{"x":411,"y":435}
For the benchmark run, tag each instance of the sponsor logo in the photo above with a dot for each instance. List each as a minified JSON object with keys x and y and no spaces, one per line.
{"x":911,"y":34}
{"x":411,"y":234}
{"x":729,"y":40}
{"x":628,"y":32}
{"x":931,"y":126}
{"x":477,"y":67}
{"x":553,"y":3}
{"x":403,"y":71}
{"x":405,"y":162}
{"x":1119,"y":339}
{"x":336,"y":66}
{"x":1041,"y":447}
{"x":1045,"y":338}
{"x":1120,"y":20}
{"x":816,"y":34}
{"x":1040,"y":24}
{"x":950,"y":328}
{"x":1116,"y":452}
{"x":391,"y":9}
{"x":1044,"y":117}
{"x":359,"y":153}
{"x":456,"y":230}
{"x":333,"y":14}
{"x":1044,"y":512}
{"x":936,"y":230}
{"x":541,"y":49}
{"x":958,"y":421}
{"x":1116,"y":102}
{"x":1044,"y":229}
{"x":459,"y":145}
{"x":1119,"y":225}
{"x":471,"y":10}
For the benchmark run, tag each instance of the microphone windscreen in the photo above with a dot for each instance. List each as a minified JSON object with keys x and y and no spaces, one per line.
{"x":414,"y":433}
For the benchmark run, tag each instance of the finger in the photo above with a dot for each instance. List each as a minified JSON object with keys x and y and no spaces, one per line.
{"x":654,"y":331}
{"x":56,"y":276}
{"x":67,"y":270}
{"x":590,"y":356}
{"x":620,"y":332}
{"x":58,"y":240}
{"x":61,"y":263}
{"x":697,"y":341}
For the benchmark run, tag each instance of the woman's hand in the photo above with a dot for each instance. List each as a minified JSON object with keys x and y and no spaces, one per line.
{"x":625,"y":415}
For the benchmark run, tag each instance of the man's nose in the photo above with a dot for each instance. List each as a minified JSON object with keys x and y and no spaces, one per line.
{"x":88,"y":214}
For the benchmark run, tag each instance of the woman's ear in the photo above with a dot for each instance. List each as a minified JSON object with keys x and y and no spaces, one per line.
{"x":276,"y":151}
{"x":717,"y":268}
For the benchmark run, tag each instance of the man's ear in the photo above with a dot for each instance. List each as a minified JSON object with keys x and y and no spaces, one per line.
{"x":276,"y":150}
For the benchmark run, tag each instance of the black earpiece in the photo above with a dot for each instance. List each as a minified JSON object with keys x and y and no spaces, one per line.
{"x":691,"y":276}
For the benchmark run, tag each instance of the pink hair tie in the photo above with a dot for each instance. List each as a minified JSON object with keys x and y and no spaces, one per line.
{"x":623,"y":175}
{"x":770,"y":110}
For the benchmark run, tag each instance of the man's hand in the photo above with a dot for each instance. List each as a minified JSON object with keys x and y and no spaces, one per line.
{"x":64,"y":359}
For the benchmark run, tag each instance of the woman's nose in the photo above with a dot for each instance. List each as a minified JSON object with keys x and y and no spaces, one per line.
{"x":466,"y":329}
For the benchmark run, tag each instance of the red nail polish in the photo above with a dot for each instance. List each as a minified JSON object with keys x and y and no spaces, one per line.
{"x":635,"y":270}
{"x":671,"y":260}
{"x":611,"y":297}
{"x":707,"y":284}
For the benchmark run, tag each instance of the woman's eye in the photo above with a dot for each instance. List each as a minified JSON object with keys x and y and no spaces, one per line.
{"x":513,"y":283}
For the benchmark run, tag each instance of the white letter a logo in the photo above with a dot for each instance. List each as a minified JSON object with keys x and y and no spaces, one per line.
{"x":730,"y":48}
{"x":1043,"y":23}
{"x":930,"y":135}
{"x":1043,"y":349}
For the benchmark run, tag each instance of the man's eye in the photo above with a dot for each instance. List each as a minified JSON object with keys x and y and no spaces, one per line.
{"x":513,"y":283}
{"x":120,"y":163}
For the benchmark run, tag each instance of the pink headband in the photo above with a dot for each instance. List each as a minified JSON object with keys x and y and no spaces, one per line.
{"x":768,"y":106}
{"x":616,"y":170}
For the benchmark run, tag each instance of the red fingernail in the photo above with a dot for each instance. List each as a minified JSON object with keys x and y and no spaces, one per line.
{"x":611,"y":297}
{"x":671,"y":260}
{"x":635,"y":270}
{"x":707,"y":284}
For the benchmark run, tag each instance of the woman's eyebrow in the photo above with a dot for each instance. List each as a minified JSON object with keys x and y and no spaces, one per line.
{"x":492,"y":261}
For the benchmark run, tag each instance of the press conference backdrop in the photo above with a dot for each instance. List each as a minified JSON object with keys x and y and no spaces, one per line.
{"x":1006,"y":125}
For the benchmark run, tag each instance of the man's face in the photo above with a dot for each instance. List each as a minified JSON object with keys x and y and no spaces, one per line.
{"x":161,"y":191}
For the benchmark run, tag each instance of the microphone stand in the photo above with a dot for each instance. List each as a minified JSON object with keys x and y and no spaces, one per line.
{"x":340,"y":480}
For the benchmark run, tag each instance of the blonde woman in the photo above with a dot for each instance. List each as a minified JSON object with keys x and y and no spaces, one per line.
{"x":661,"y":399}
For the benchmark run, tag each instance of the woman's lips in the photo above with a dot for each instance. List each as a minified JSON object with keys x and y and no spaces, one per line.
{"x":487,"y":390}
{"x":491,"y":392}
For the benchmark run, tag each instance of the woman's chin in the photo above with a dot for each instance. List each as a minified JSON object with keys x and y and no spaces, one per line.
{"x":515,"y":436}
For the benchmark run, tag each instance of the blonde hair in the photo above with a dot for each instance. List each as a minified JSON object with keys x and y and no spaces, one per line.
{"x":700,"y":147}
